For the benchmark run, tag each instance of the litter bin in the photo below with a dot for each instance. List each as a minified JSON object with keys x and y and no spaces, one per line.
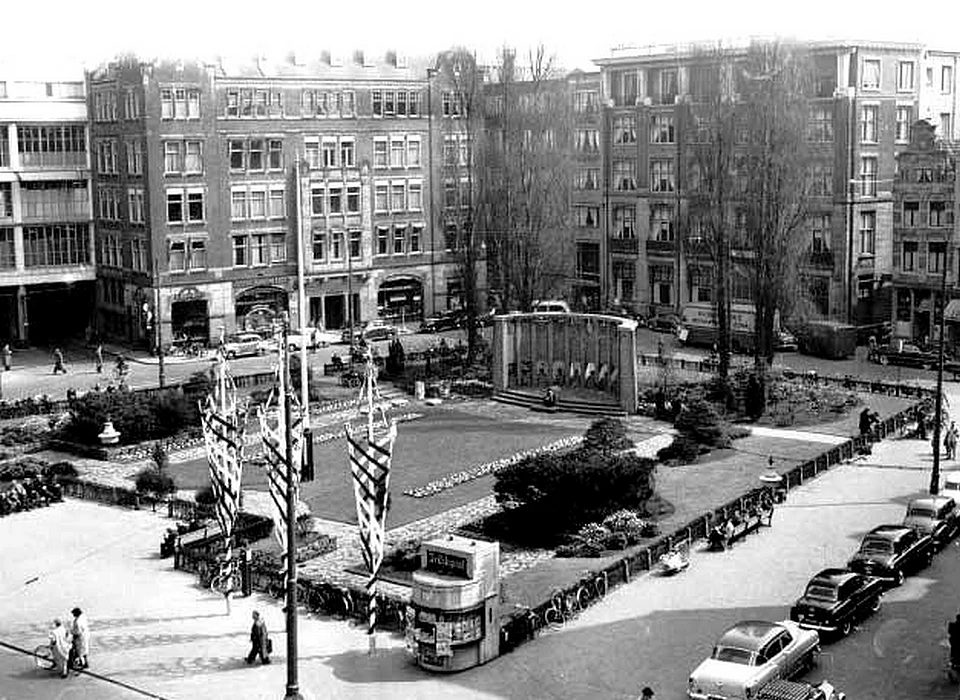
{"x":419,"y":390}
{"x":246,"y":572}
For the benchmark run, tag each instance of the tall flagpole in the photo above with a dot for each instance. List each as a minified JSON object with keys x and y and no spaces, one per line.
{"x":293,"y":686}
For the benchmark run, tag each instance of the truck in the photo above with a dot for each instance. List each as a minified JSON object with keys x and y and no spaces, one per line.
{"x":698,"y":326}
{"x":828,"y":339}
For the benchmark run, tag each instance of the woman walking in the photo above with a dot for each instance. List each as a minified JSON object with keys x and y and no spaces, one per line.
{"x":81,"y":638}
{"x":59,"y":647}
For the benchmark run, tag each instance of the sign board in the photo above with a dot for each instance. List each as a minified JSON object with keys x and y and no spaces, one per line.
{"x":446,"y":564}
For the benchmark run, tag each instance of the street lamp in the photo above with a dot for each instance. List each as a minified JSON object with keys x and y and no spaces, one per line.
{"x":938,"y":417}
{"x":302,"y":302}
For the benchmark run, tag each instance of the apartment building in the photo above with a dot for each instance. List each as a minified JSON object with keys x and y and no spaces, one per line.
{"x":938,"y":92}
{"x":925,"y":240}
{"x":217,"y":184}
{"x":863,"y":98}
{"x":591,"y":246}
{"x":47,"y":264}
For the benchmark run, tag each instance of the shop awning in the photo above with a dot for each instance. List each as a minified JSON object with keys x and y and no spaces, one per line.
{"x":952,"y":312}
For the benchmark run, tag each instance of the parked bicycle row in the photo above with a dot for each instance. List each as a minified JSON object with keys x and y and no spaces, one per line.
{"x":28,"y":493}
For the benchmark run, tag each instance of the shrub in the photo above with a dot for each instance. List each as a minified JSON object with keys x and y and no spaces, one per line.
{"x":136,"y":415}
{"x":593,"y":532}
{"x":607,"y":436}
{"x":158,"y":455}
{"x":579,"y":549}
{"x":616,"y":540}
{"x":700,"y":421}
{"x":683,"y":450}
{"x":62,"y":469}
{"x":152,"y":483}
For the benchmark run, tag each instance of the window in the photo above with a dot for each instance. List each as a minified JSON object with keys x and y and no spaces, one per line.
{"x":177,"y":256}
{"x":377,"y":99}
{"x":868,"y":123}
{"x":625,"y":129}
{"x":336,"y":199}
{"x":946,"y":78}
{"x":179,"y":103}
{"x":587,"y":217}
{"x":238,"y":204}
{"x":398,"y":198}
{"x":587,"y":179}
{"x":6,"y":200}
{"x":336,"y":246}
{"x":868,"y":232}
{"x":388,"y":103}
{"x":255,"y":156}
{"x":946,"y":131}
{"x":413,"y":104}
{"x":172,"y":157}
{"x":275,"y":154}
{"x":193,"y":162}
{"x":258,"y":204}
{"x":276,"y":207}
{"x":661,"y":176}
{"x":587,"y":140}
{"x":905,"y":75}
{"x":56,"y":146}
{"x":413,"y":152}
{"x":312,"y":148}
{"x":661,"y":129}
{"x":415,"y":196}
{"x":106,"y":156}
{"x":661,"y":222}
{"x":131,"y":103}
{"x":278,"y":248}
{"x":821,"y":180}
{"x":624,"y":220}
{"x":237,"y":155}
{"x":134,"y":151}
{"x":586,"y":101}
{"x":52,"y":245}
{"x":868,"y":176}
{"x":661,"y":280}
{"x":820,"y":125}
{"x":353,"y":199}
{"x":929,"y":77}
{"x":940,"y":214}
{"x":383,"y":234}
{"x":317,"y":198}
{"x":258,"y":249}
{"x":909,"y":256}
{"x":380,"y":194}
{"x":195,"y":206}
{"x":701,"y":284}
{"x":380,"y":153}
{"x":911,"y":214}
{"x":175,"y":207}
{"x":819,"y":233}
{"x":904,"y":118}
{"x":397,"y":152}
{"x":108,"y":203}
{"x":871,"y":74}
{"x":347,"y":159}
{"x":624,"y":175}
{"x":135,"y":205}
{"x":449,"y":194}
{"x":936,"y":257}
{"x":319,"y":245}
{"x":239,"y":251}
{"x":451,"y":103}
{"x":399,"y":239}
{"x":416,"y":234}
{"x":198,"y":254}
{"x":329,"y":150}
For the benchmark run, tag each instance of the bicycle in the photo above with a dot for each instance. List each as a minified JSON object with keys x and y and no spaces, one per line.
{"x":563,"y":606}
{"x":227,"y":579}
{"x":43,"y":658}
{"x":591,"y":589}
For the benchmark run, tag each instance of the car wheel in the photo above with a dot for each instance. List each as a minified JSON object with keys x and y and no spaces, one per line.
{"x":898,"y":578}
{"x":846,"y":628}
{"x":231,"y":355}
{"x":875,"y":604}
{"x":261,"y":351}
{"x":883,"y":360}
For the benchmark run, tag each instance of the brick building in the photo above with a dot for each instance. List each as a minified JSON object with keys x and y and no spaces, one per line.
{"x":47,"y":268}
{"x":197,"y":172}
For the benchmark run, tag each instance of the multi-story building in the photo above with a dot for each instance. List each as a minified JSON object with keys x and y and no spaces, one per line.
{"x":218,"y":184}
{"x":924,"y":232}
{"x":864,"y":96}
{"x":47,"y":266}
{"x":938,"y":92}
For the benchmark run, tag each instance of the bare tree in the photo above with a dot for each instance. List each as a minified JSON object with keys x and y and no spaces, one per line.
{"x":527,"y":187}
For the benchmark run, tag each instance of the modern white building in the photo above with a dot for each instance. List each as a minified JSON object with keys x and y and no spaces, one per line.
{"x":47,"y":265}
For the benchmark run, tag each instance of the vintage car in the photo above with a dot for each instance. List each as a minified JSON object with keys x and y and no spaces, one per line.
{"x":889,"y":551}
{"x":244,"y":344}
{"x":903,"y":354}
{"x":751,"y":654}
{"x":835,"y":599}
{"x":449,"y":321}
{"x":793,"y":690}
{"x":664,"y":323}
{"x":936,"y":516}
{"x":785,"y":341}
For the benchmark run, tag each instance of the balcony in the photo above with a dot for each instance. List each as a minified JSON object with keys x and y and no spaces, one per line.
{"x":661,"y":247}
{"x":624,"y":246}
{"x":56,"y":159}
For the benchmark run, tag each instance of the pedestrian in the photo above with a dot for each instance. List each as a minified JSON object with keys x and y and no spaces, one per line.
{"x":260,"y":644}
{"x":660,"y":350}
{"x":58,"y":361}
{"x":59,"y":647}
{"x":80,"y":630}
{"x":950,"y":441}
{"x":7,"y":354}
{"x":646,"y":693}
{"x":98,"y":358}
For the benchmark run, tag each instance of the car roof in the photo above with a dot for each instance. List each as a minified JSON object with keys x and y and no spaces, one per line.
{"x":935,"y":502}
{"x":889,"y":532}
{"x":836,"y":576}
{"x":750,"y":634}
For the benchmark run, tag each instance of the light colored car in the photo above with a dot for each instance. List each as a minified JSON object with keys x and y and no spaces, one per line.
{"x":751,"y":654}
{"x":936,"y":516}
{"x":551,"y":306}
{"x":244,"y":345}
{"x":951,"y":485}
{"x":309,"y":336}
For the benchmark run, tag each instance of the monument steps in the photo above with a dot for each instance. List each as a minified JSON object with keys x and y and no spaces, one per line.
{"x":534,"y":401}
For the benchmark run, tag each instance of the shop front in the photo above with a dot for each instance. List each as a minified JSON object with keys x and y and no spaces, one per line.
{"x":400,"y":300}
{"x":190,"y":316}
{"x":258,"y":308}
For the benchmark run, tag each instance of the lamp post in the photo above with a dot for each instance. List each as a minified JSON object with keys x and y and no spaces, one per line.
{"x":431,"y":74}
{"x":302,"y":302}
{"x":938,"y":417}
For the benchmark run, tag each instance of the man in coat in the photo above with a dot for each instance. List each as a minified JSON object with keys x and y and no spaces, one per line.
{"x":259,"y":640}
{"x":59,"y":647}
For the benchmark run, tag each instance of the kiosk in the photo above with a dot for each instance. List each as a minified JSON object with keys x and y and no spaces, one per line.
{"x":454,"y":616}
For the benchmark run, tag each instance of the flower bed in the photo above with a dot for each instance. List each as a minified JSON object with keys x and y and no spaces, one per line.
{"x":481,"y":470}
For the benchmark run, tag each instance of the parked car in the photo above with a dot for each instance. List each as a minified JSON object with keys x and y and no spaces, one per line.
{"x":890,"y":551}
{"x":835,"y":599}
{"x":951,"y":485}
{"x":794,"y":690}
{"x":664,"y":323}
{"x":379,"y":331}
{"x":906,"y":354}
{"x":936,"y":516}
{"x":551,"y":306}
{"x":751,"y":654}
{"x":449,"y":321}
{"x":785,"y":342}
{"x":244,"y":345}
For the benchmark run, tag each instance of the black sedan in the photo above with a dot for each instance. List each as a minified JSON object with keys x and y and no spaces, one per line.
{"x":664,"y":323}
{"x":905,"y":354}
{"x":889,"y":551}
{"x":835,"y":599}
{"x":449,"y":321}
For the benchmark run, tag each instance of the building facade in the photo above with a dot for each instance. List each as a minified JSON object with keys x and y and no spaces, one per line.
{"x":863,"y":98}
{"x":47,"y":263}
{"x":925,"y":242}
{"x":217,"y":185}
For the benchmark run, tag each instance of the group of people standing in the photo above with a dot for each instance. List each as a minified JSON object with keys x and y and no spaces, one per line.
{"x":70,"y":648}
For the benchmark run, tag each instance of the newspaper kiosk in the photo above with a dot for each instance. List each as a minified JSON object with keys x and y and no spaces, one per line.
{"x":454,"y":616}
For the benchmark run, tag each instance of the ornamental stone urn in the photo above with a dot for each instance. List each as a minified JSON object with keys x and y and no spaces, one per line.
{"x":109,"y":435}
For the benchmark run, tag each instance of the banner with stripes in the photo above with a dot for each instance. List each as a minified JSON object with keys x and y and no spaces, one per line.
{"x":222,"y":421}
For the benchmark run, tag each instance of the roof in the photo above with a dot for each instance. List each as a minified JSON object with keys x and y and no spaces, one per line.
{"x":750,"y":634}
{"x":835,"y":575}
{"x":890,"y":532}
{"x":931,"y":501}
